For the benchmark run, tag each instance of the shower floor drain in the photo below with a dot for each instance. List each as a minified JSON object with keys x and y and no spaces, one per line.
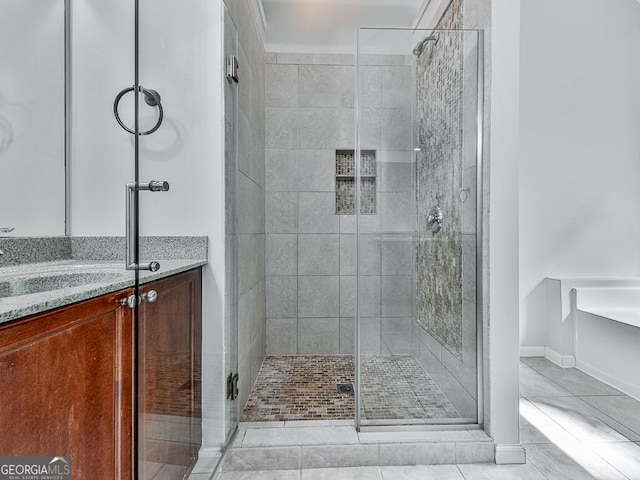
{"x":345,"y":388}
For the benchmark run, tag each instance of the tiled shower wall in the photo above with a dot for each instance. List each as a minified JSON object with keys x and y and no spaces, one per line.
{"x":445,"y":328}
{"x":249,"y":209}
{"x":310,"y":251}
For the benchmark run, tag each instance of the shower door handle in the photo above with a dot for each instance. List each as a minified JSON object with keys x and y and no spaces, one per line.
{"x":130,"y":243}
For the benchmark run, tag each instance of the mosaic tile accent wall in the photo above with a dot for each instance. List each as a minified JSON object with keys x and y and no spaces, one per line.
{"x":439,"y":107}
{"x":346,"y":184}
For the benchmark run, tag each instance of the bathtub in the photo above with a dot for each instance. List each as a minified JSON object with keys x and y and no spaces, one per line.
{"x":607,"y":335}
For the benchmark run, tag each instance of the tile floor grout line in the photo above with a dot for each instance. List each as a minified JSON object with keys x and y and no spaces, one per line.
{"x":620,"y":394}
{"x":558,"y":424}
{"x":552,"y":381}
{"x":610,"y":417}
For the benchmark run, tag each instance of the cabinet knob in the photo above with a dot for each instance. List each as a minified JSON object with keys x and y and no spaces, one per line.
{"x":151,"y":296}
{"x":130,"y":301}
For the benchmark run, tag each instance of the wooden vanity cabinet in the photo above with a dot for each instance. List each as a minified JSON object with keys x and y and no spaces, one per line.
{"x":67,"y":377}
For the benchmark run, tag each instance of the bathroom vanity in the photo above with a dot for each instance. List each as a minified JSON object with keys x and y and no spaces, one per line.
{"x":68,"y":379}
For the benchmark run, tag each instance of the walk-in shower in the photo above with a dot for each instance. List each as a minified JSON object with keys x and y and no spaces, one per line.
{"x":372,"y":232}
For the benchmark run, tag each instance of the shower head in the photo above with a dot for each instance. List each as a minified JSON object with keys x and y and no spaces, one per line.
{"x":420,"y":46}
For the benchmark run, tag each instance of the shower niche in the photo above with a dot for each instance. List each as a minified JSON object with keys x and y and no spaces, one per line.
{"x":346,"y":192}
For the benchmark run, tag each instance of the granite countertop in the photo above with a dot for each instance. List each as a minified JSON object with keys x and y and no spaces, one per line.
{"x":92,"y":279}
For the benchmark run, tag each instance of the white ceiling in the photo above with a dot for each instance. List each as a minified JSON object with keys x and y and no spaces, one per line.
{"x":329,"y":26}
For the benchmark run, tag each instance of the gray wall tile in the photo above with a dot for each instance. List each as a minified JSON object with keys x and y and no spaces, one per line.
{"x":316,"y":213}
{"x":348,"y":59}
{"x":374,"y":59}
{"x":371,"y":86}
{"x":323,"y":122}
{"x":251,"y":258}
{"x":282,"y":298}
{"x":270,"y":57}
{"x":397,"y":296}
{"x":282,"y":254}
{"x":347,"y":254}
{"x":320,"y":86}
{"x":347,"y":76}
{"x":319,"y":128}
{"x":281,"y":212}
{"x":397,"y":255}
{"x":396,"y":129}
{"x":396,"y":211}
{"x":257,"y":354}
{"x":369,"y":254}
{"x":318,"y":296}
{"x":347,"y":336}
{"x":318,"y":254}
{"x":316,"y":171}
{"x":396,"y":335}
{"x":318,"y":336}
{"x":347,"y":223}
{"x":249,"y":209}
{"x":309,"y":58}
{"x":347,"y":296}
{"x":370,"y":336}
{"x":347,"y":130}
{"x":255,"y":299}
{"x":281,"y":86}
{"x":396,"y":87}
{"x":282,"y":128}
{"x":250,"y":206}
{"x":282,"y":336}
{"x":369,"y":299}
{"x":371,"y":129}
{"x":257,"y":165}
{"x":245,"y":147}
{"x":395,"y":176}
{"x":281,"y":170}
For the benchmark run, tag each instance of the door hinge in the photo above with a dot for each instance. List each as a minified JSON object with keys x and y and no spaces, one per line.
{"x":232,"y":386}
{"x":232,"y":68}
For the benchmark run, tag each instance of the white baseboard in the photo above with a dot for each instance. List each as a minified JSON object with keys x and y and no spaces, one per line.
{"x":509,"y":454}
{"x":532,"y":351}
{"x":620,"y":384}
{"x":564,"y":361}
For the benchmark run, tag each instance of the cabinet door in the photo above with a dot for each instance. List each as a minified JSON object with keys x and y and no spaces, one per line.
{"x":66,"y":387}
{"x":169,"y":375}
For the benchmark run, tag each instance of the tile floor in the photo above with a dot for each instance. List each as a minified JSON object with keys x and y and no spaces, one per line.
{"x":573,"y":427}
{"x":303,"y":387}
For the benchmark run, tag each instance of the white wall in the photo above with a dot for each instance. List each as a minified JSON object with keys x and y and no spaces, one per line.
{"x":580,"y":147}
{"x":186,"y":151}
{"x":32,"y":123}
{"x":502,"y":216}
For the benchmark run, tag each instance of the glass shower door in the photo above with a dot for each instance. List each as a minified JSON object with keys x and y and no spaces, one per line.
{"x":169,"y":195}
{"x":418,"y":164}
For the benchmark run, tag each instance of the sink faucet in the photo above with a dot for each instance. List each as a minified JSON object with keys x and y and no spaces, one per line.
{"x":6,"y":230}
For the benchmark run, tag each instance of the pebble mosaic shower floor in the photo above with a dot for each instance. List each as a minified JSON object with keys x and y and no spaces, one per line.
{"x":304,"y":387}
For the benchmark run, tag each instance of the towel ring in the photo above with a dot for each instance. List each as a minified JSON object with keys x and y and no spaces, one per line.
{"x":151,"y":98}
